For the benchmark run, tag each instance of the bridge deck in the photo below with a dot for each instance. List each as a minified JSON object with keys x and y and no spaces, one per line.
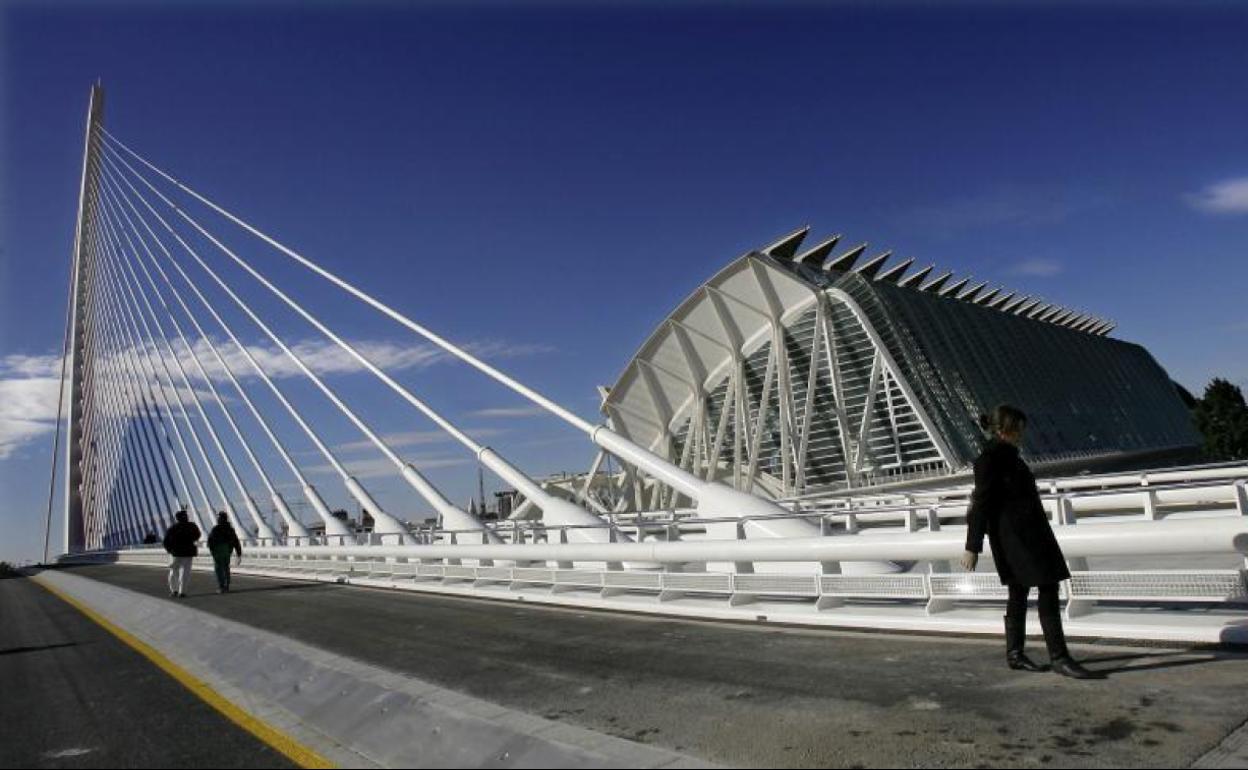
{"x":76,"y":696}
{"x":750,"y":695}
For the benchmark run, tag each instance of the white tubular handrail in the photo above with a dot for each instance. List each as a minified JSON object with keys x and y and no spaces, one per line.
{"x":1199,"y":536}
{"x":1121,"y":482}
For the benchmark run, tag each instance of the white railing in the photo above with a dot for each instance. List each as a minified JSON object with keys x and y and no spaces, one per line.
{"x":801,"y":580}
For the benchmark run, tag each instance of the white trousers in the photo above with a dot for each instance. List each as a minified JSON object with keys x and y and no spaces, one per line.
{"x":179,"y":573}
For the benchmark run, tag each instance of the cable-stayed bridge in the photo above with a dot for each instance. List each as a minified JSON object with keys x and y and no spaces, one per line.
{"x":162,"y":418}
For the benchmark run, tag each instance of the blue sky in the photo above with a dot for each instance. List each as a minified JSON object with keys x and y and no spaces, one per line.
{"x":547,"y":182}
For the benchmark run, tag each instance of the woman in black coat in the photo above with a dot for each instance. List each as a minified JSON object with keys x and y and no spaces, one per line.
{"x":1006,"y":505}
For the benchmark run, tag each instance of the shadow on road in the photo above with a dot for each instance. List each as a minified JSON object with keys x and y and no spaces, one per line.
{"x":40,"y":648}
{"x":1148,"y":662}
{"x":257,"y":589}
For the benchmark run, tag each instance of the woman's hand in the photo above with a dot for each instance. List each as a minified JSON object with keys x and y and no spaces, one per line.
{"x":969,"y":560}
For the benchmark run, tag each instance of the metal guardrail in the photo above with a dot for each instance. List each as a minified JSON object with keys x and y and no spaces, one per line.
{"x":1153,"y":502}
{"x":804,"y":574}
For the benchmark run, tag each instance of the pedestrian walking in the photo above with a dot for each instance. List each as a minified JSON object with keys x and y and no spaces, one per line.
{"x":1006,"y":506}
{"x":223,"y":541}
{"x":180,"y":542}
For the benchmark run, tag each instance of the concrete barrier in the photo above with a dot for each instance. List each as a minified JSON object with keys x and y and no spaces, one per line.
{"x":354,"y":714}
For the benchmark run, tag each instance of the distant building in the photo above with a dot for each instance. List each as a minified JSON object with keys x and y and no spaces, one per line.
{"x":797,"y":371}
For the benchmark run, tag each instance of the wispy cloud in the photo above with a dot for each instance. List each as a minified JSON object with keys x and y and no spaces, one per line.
{"x":27,"y":411}
{"x":380,"y":467}
{"x":509,"y":412}
{"x":1010,"y":206}
{"x":1041,"y":268}
{"x":1230,"y":196}
{"x":416,"y":438}
{"x":29,"y":383}
{"x":327,"y":358}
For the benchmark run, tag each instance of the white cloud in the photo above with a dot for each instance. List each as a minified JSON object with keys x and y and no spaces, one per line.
{"x":21,"y":365}
{"x":416,"y":438}
{"x":1229,"y":196}
{"x":27,"y":411}
{"x":29,"y":383}
{"x":509,"y":412}
{"x":1004,"y":206}
{"x":1043,"y":268}
{"x":380,"y":467}
{"x":325,"y":358}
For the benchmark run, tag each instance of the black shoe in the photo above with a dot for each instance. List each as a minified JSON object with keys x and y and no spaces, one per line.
{"x":181,"y":596}
{"x":1068,"y":666}
{"x":1018,"y":661}
{"x":1015,"y":639}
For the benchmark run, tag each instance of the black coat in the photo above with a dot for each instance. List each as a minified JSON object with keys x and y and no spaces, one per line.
{"x":180,"y":539}
{"x":1006,"y":505}
{"x":222,"y":540}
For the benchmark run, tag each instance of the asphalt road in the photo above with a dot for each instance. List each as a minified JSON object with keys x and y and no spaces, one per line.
{"x":759,"y":695}
{"x":73,"y":695}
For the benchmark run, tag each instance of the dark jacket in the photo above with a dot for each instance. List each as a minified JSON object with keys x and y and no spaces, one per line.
{"x":223,"y":539}
{"x":180,"y":539}
{"x":1006,"y":505}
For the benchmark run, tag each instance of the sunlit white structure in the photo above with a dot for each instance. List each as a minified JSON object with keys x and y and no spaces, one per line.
{"x":792,"y":372}
{"x":759,"y":429}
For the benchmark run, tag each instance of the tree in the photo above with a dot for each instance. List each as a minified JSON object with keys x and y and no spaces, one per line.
{"x":1222,"y":417}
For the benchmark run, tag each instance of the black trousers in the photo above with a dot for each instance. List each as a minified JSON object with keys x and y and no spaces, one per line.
{"x":221,"y":565}
{"x":1047,"y":595}
{"x":1050,"y":618}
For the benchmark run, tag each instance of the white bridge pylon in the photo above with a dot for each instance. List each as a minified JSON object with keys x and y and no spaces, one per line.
{"x":129,"y":461}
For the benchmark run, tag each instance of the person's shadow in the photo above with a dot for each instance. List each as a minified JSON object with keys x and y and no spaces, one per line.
{"x":258,"y":589}
{"x":1149,"y":661}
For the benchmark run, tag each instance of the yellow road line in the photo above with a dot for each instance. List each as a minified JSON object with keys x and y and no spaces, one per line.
{"x":289,"y":747}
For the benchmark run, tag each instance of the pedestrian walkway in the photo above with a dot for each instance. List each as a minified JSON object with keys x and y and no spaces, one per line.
{"x":757,"y":695}
{"x":76,"y":696}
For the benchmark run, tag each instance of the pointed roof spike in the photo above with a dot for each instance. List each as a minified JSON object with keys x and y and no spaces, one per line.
{"x":814,"y":257}
{"x":914,"y":278}
{"x":1027,"y":307}
{"x":846,"y":260}
{"x":1091,"y":323}
{"x":1052,"y":313}
{"x":1038,"y":312}
{"x":955,"y":289}
{"x":1101,"y":327}
{"x":786,"y":247}
{"x":936,"y":283}
{"x":1061,"y":318}
{"x":1014,"y":304}
{"x":972,"y":294}
{"x":1109,"y":327}
{"x":873,"y":265}
{"x":1076,"y":319}
{"x":1000,"y":301}
{"x":982,"y":299}
{"x":893,"y":274}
